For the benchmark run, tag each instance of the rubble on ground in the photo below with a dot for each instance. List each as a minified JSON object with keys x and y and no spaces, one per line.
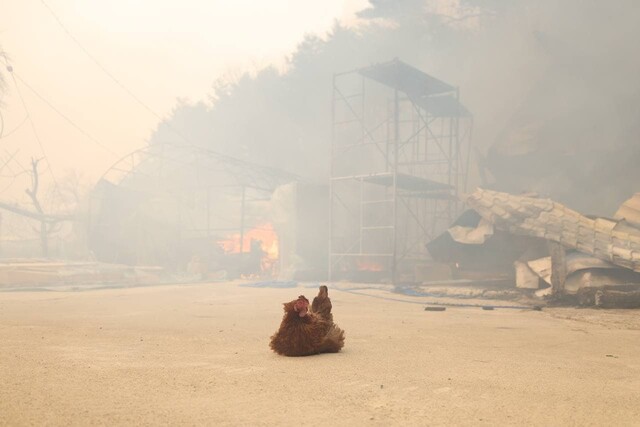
{"x":44,"y":273}
{"x":571,"y":257}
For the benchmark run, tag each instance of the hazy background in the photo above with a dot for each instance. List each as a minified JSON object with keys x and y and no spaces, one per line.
{"x":552,"y":85}
{"x":158,"y":49}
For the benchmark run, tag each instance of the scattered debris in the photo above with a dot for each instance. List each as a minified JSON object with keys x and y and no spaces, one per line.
{"x":29,"y":273}
{"x":606,"y":298}
{"x":435,"y":308}
{"x":548,"y":249}
{"x":486,"y":258}
{"x":615,"y":241}
{"x":281,"y":284}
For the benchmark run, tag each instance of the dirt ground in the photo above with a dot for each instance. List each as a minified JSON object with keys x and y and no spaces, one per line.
{"x":198,"y":355}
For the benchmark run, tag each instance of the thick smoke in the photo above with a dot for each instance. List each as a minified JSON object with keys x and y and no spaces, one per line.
{"x":552,"y":86}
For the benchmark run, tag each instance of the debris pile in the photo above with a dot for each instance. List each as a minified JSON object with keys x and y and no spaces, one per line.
{"x":34,"y":273}
{"x":616,"y":241}
{"x":554,"y":251}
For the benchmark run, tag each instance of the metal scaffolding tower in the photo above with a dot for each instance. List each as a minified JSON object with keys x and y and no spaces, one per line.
{"x":399,"y":160}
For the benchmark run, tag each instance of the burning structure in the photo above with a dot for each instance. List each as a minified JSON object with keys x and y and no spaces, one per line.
{"x":179,"y":206}
{"x":399,"y":161}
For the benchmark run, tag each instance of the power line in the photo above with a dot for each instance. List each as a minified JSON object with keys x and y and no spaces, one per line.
{"x":7,"y":164}
{"x":99,"y":65}
{"x":85,"y":133}
{"x":33,"y":127}
{"x":113,"y":78}
{"x":15,"y":129}
{"x":134,"y":96}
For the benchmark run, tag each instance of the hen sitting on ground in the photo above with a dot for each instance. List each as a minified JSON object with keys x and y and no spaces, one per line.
{"x":303,"y":332}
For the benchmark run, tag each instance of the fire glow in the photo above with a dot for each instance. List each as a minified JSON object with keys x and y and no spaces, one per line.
{"x":364,"y":265}
{"x":265,"y":235}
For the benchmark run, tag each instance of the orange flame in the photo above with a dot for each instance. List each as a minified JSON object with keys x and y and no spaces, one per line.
{"x":266,"y":235}
{"x":364,"y":265}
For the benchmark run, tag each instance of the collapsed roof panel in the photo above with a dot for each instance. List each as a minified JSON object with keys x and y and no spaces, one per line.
{"x":495,"y":254}
{"x":613,"y":241}
{"x":630,"y":210}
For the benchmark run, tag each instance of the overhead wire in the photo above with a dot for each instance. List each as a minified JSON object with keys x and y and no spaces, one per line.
{"x":49,"y":168}
{"x":266,"y":171}
{"x":28,"y":117}
{"x":35,"y":131}
{"x":5,"y":163}
{"x":99,"y":64}
{"x":61,"y":114}
{"x":129,"y":92}
{"x":15,"y":129}
{"x":14,"y":175}
{"x":16,"y":77}
{"x":135,"y":97}
{"x":1,"y":86}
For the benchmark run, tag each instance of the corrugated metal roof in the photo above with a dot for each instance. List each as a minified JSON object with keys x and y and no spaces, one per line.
{"x":630,"y":210}
{"x":404,"y":77}
{"x":609,"y":240}
{"x":432,"y":94}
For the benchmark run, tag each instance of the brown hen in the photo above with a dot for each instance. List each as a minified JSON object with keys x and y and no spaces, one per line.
{"x":303,"y":332}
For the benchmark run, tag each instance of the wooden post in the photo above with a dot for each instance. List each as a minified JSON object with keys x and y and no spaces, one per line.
{"x":558,"y":267}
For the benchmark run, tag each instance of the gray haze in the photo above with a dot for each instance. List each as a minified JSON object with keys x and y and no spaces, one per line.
{"x":552,"y":87}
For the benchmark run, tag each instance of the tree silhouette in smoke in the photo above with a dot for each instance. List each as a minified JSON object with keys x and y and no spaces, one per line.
{"x":548,"y":79}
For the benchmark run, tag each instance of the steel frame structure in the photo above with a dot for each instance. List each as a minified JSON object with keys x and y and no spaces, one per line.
{"x":399,"y":162}
{"x":207,"y":194}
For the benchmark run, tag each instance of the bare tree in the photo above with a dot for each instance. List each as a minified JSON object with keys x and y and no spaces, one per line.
{"x":46,"y":227}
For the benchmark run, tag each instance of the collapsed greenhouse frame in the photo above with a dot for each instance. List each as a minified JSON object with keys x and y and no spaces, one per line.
{"x":174,"y":198}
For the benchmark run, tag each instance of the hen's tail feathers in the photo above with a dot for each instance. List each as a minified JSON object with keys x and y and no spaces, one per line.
{"x":334,"y":340}
{"x":322,"y":304}
{"x":324,"y":292}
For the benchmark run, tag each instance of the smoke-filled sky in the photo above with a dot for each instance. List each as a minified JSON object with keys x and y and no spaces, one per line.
{"x":160,"y":50}
{"x":552,"y":85}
